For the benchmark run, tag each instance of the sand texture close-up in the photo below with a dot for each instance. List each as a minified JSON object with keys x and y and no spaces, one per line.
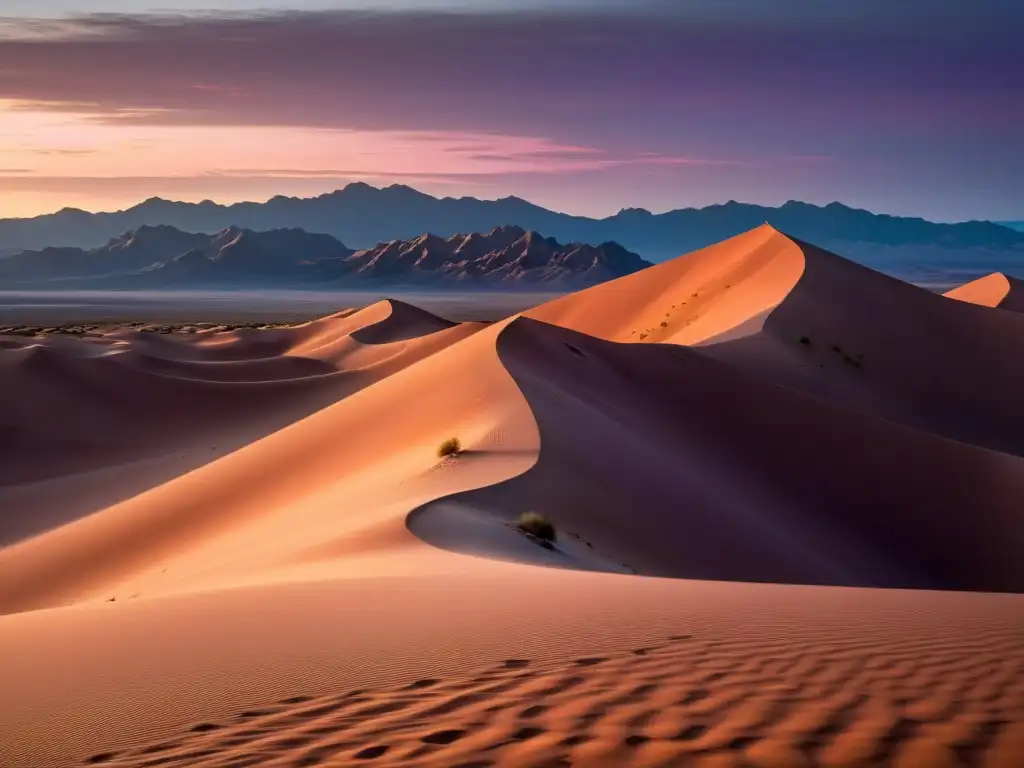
{"x":786,"y":496}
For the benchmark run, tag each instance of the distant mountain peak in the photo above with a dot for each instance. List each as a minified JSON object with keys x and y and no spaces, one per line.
{"x":362,"y":215}
{"x":505,"y":254}
{"x":514,"y":204}
{"x":356,"y":189}
{"x":156,"y":202}
{"x":147,"y":235}
{"x":154,"y":228}
{"x":403,"y":189}
{"x":508,"y":229}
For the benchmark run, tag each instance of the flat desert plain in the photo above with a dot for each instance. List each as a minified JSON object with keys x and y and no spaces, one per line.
{"x":787,"y":491}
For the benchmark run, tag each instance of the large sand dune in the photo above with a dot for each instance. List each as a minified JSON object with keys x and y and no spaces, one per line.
{"x":320,"y":588}
{"x":995,"y":290}
{"x":787,"y":312}
{"x":145,"y":408}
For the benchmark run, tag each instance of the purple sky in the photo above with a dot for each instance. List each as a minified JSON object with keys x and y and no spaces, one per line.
{"x":902,"y":107}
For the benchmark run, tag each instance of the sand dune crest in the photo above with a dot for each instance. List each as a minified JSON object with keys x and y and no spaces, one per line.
{"x":995,"y":290}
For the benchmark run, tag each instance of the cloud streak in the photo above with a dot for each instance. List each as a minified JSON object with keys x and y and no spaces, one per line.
{"x":904,"y":97}
{"x":482,"y":71}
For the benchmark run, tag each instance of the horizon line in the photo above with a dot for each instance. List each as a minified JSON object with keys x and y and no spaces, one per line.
{"x":731,"y":201}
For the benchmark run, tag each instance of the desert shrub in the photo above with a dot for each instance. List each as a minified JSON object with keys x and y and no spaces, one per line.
{"x":536,"y":525}
{"x":449,"y":447}
{"x":805,"y":340}
{"x":664,"y":324}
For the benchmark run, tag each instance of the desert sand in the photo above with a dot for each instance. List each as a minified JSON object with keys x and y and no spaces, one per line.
{"x":995,"y":290}
{"x":787,"y":491}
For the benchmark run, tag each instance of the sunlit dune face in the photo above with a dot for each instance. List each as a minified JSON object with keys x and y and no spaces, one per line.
{"x":98,"y":156}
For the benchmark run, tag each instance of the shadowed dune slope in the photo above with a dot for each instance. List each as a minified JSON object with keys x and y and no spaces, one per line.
{"x":316,"y":499}
{"x":802,"y":317}
{"x":71,"y":407}
{"x":678,"y":465}
{"x":884,"y":347}
{"x":995,"y":290}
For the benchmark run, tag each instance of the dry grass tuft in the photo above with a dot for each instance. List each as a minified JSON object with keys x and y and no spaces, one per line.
{"x":450,"y":447}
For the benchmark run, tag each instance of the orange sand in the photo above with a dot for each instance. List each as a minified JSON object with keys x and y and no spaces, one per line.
{"x":995,"y":290}
{"x":242,"y":549}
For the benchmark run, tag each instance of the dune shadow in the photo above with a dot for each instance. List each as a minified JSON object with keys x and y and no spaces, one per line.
{"x":127,"y":423}
{"x":877,"y":345}
{"x":683,"y":466}
{"x":404,"y":322}
{"x":101,"y":480}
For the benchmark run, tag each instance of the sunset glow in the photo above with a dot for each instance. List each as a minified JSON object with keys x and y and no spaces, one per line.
{"x":583,"y":107}
{"x":55,"y":157}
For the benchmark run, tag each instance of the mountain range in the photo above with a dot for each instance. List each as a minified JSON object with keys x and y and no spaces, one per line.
{"x":163,"y":256}
{"x":361,"y":216}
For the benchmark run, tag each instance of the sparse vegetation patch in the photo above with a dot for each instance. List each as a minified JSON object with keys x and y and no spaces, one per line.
{"x":450,"y":447}
{"x":538,"y":527}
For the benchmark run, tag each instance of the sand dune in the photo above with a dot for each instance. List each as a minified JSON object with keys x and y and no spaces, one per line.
{"x":787,"y":312}
{"x":288,"y":503}
{"x":70,"y":407}
{"x":995,"y":290}
{"x":729,"y":477}
{"x":531,"y":665}
{"x":727,"y":288}
{"x":327,"y":591}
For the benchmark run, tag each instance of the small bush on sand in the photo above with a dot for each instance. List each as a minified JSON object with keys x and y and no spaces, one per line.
{"x":537,"y":526}
{"x":805,"y":340}
{"x":449,"y":447}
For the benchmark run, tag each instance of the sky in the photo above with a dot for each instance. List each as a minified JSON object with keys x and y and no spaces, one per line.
{"x":909,"y":107}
